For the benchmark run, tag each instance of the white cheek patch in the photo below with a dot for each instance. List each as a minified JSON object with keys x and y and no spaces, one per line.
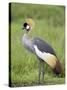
{"x":27,"y":27}
{"x":47,"y":57}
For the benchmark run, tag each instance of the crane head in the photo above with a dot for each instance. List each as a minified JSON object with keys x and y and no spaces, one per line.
{"x":28,"y":24}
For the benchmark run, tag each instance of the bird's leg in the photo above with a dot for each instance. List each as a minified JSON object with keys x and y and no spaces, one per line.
{"x":43,"y":71}
{"x":39,"y":70}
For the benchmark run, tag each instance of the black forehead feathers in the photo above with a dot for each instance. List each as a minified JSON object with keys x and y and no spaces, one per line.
{"x":25,"y":24}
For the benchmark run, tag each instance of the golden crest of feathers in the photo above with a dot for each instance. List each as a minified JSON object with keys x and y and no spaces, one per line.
{"x":30,"y":22}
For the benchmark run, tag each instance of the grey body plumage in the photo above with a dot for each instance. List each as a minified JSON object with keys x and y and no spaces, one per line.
{"x":42,"y":45}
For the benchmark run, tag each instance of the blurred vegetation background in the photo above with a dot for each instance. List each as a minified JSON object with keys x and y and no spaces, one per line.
{"x":50,"y":26}
{"x":53,"y":14}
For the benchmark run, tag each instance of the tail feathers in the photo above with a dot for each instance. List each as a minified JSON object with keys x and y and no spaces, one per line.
{"x":58,"y":69}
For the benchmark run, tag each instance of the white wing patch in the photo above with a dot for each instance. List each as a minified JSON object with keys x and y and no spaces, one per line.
{"x":39,"y":53}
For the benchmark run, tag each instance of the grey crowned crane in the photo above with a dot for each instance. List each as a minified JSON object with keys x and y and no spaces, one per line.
{"x":43,"y":51}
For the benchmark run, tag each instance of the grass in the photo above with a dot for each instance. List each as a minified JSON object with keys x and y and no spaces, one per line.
{"x":24,"y":65}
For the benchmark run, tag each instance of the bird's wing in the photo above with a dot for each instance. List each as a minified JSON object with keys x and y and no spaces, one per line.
{"x":45,"y":52}
{"x":50,"y":59}
{"x":47,"y":57}
{"x":43,"y":46}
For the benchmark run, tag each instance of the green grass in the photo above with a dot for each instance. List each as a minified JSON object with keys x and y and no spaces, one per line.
{"x":24,"y":65}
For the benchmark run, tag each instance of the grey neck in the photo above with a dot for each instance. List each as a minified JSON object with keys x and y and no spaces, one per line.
{"x":27,"y":42}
